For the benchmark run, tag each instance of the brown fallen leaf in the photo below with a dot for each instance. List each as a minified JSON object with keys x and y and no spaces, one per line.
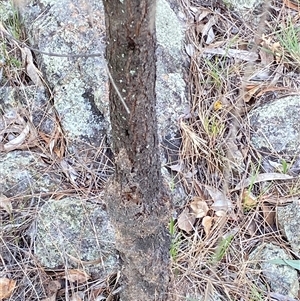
{"x":249,"y":200}
{"x":251,"y":91}
{"x":262,"y":178}
{"x":75,"y":297}
{"x":221,"y":202}
{"x":186,"y":221}
{"x":243,"y":55}
{"x":52,"y":288}
{"x":52,"y":298}
{"x":77,"y":276}
{"x":18,"y":141}
{"x":269,"y":215}
{"x":5,"y":203}
{"x":292,"y":5}
{"x":207,"y":223}
{"x":32,"y":71}
{"x":199,"y":207}
{"x":19,"y":132}
{"x":7,"y":287}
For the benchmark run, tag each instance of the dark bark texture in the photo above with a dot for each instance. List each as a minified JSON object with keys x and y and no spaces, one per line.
{"x":137,"y":202}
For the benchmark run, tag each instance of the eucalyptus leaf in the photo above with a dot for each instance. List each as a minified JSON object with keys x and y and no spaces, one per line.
{"x":292,"y":263}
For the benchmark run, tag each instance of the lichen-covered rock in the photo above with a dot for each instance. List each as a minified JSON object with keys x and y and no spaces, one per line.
{"x":171,"y":87}
{"x":289,"y":223}
{"x":72,"y":233}
{"x":80,"y":84}
{"x":282,"y":278}
{"x":24,"y":173}
{"x":275,"y":126}
{"x":249,"y":10}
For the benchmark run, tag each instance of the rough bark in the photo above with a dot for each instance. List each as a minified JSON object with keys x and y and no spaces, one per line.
{"x":137,"y":203}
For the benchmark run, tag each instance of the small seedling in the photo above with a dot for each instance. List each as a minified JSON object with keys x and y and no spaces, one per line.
{"x":256,"y":295}
{"x":175,"y":239}
{"x":13,"y":23}
{"x":288,"y":38}
{"x":213,"y":127}
{"x":285,"y":166}
{"x":222,"y":249}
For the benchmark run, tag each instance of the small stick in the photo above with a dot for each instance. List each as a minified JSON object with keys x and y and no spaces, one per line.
{"x":117,"y":90}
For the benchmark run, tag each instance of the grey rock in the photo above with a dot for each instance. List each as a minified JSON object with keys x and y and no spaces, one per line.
{"x":288,"y":218}
{"x":80,"y":85}
{"x":72,"y":233}
{"x":24,"y":173}
{"x":249,"y":10}
{"x":7,"y":11}
{"x":244,"y":5}
{"x":171,"y":87}
{"x":35,"y":104}
{"x":275,"y":127}
{"x":282,"y":278}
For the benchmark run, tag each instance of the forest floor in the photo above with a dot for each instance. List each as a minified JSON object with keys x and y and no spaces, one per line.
{"x":262,"y":65}
{"x":211,"y":243}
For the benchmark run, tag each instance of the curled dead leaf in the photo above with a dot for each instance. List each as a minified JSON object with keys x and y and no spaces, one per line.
{"x":5,"y":203}
{"x":190,"y":49}
{"x":76,"y":297}
{"x":262,"y":178}
{"x":243,"y":55}
{"x":199,"y":207}
{"x":249,"y":200}
{"x":221,"y":202}
{"x":7,"y":287}
{"x":220,"y":213}
{"x":186,"y":221}
{"x":18,"y":141}
{"x":51,"y":298}
{"x":18,"y":132}
{"x":77,"y":276}
{"x":33,"y":72}
{"x":269,"y":215}
{"x":207,"y":223}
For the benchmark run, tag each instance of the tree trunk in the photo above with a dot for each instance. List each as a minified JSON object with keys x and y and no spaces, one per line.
{"x":136,"y":199}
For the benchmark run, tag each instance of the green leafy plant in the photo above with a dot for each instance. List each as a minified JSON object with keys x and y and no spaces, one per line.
{"x":222,"y":248}
{"x":213,"y":126}
{"x":256,"y":295}
{"x":285,"y":166}
{"x":214,"y":73}
{"x":175,"y":239}
{"x":13,"y":23}
{"x":289,"y":40}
